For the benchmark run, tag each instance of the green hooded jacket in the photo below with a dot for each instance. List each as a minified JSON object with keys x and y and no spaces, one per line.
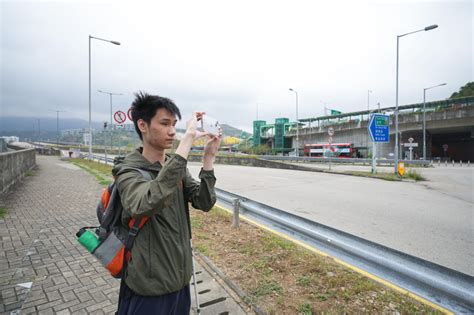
{"x":161,"y":260}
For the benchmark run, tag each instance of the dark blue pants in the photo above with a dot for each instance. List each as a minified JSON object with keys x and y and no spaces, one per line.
{"x":176,"y":303}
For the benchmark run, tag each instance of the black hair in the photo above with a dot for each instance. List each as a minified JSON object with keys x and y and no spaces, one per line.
{"x":145,"y":107}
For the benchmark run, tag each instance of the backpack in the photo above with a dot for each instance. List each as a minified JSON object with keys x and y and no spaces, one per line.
{"x":114,"y":240}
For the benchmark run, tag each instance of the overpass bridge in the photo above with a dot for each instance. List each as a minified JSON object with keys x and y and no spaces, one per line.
{"x":449,"y":124}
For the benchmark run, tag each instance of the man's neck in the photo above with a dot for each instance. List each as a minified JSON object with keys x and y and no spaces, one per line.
{"x":152,"y":155}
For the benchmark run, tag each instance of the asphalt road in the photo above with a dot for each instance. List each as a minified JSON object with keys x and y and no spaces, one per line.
{"x":432,"y":220}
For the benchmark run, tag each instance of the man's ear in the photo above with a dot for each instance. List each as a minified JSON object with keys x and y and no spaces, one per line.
{"x":142,"y":125}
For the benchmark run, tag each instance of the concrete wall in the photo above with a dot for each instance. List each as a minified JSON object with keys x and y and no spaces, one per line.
{"x":14,"y":165}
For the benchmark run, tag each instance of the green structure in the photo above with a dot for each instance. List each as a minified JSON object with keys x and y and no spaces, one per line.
{"x":273,"y":135}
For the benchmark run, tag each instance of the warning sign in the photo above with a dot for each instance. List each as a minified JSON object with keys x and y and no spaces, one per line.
{"x":120,"y":117}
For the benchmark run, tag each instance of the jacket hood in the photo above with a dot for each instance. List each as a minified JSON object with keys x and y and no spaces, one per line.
{"x":135,"y":160}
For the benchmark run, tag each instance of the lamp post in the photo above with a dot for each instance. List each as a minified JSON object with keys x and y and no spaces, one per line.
{"x":90,"y":96}
{"x":57,"y":122}
{"x":368,"y":99}
{"x":424,"y":116}
{"x":110,"y":126}
{"x":297,"y":124}
{"x":428,"y":28}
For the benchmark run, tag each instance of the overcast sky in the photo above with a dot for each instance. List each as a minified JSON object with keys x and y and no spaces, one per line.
{"x":225,"y":57}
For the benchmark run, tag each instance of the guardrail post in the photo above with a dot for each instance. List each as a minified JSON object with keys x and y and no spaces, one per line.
{"x":445,"y":162}
{"x":439,"y":162}
{"x":453,"y":163}
{"x":460,"y":163}
{"x":468,"y":163}
{"x":236,"y":211}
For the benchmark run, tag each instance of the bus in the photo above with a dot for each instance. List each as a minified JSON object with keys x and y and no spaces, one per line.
{"x":342,"y":150}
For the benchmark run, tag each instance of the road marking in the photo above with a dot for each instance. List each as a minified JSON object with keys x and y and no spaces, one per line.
{"x":356,"y":269}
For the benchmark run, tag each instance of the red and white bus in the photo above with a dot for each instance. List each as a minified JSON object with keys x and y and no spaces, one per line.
{"x":343,"y":150}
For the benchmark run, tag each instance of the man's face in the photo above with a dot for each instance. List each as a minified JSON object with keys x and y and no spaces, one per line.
{"x":161,"y":131}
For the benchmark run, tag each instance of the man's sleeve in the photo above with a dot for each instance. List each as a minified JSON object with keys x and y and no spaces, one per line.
{"x":143,"y":197}
{"x":201,"y":195}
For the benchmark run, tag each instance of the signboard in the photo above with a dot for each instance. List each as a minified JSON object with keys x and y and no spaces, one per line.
{"x":411,"y":145}
{"x":86,"y":138}
{"x":379,"y":129}
{"x":335,"y":112}
{"x":331,"y":131}
{"x":120,"y":117}
{"x":129,"y":114}
{"x":445,"y":147}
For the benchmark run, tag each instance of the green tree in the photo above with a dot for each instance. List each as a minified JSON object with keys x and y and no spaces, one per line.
{"x":466,"y":90}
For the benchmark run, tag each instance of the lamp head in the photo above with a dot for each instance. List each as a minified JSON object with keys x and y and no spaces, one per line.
{"x":114,"y":42}
{"x":431,"y":27}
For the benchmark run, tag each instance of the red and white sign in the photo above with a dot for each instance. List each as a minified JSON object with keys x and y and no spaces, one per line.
{"x":129,"y":114}
{"x":120,"y":117}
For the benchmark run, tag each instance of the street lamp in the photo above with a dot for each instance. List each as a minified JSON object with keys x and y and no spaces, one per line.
{"x":90,"y":97}
{"x":110,"y":94}
{"x":57,"y":122}
{"x":428,"y":28}
{"x":297,"y":124}
{"x":424,"y":116}
{"x":368,"y":99}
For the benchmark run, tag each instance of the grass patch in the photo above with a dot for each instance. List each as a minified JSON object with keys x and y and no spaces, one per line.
{"x":413,"y":174}
{"x":284,"y":278}
{"x":267,"y":287}
{"x":29,"y":173}
{"x":202,"y":249}
{"x":3,"y":211}
{"x":305,"y":309}
{"x":101,"y":172}
{"x":93,"y":165}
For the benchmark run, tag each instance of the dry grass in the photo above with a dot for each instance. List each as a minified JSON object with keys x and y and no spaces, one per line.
{"x":283,"y":278}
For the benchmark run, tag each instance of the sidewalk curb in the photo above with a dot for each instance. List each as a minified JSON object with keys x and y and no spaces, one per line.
{"x":245,"y":299}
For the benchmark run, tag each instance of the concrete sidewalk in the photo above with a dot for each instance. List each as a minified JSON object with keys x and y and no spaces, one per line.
{"x":42,"y":267}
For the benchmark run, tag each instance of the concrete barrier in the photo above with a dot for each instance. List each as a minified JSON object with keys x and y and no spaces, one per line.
{"x":14,"y":165}
{"x":251,"y":161}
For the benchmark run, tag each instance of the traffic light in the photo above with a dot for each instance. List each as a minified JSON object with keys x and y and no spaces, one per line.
{"x":105,"y":125}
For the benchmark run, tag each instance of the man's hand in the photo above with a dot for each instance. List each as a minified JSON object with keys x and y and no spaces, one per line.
{"x":210,"y":150}
{"x":190,"y":135}
{"x":191,"y":126}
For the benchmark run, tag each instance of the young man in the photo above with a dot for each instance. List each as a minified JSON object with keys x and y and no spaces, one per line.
{"x":159,"y":270}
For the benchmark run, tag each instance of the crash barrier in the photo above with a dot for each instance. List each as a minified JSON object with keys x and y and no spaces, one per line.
{"x":335,"y":160}
{"x":442,"y":286}
{"x":14,"y":165}
{"x":453,"y":163}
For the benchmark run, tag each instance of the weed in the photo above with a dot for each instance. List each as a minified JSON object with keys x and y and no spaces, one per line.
{"x":29,"y":173}
{"x":304,"y":281}
{"x":272,"y":242}
{"x":105,"y":182}
{"x":202,"y":249}
{"x":3,"y":211}
{"x":218,"y":212}
{"x":267,"y":287}
{"x":412,"y":174}
{"x":196,"y":223}
{"x":305,"y":309}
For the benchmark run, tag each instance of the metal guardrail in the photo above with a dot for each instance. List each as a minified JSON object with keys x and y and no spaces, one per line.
{"x":448,"y":288}
{"x":308,"y":159}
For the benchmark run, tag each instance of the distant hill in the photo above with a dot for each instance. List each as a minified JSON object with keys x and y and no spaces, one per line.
{"x":231,"y":131}
{"x":27,"y":127}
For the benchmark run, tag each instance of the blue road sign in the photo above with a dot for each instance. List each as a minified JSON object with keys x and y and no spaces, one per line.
{"x":379,"y":129}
